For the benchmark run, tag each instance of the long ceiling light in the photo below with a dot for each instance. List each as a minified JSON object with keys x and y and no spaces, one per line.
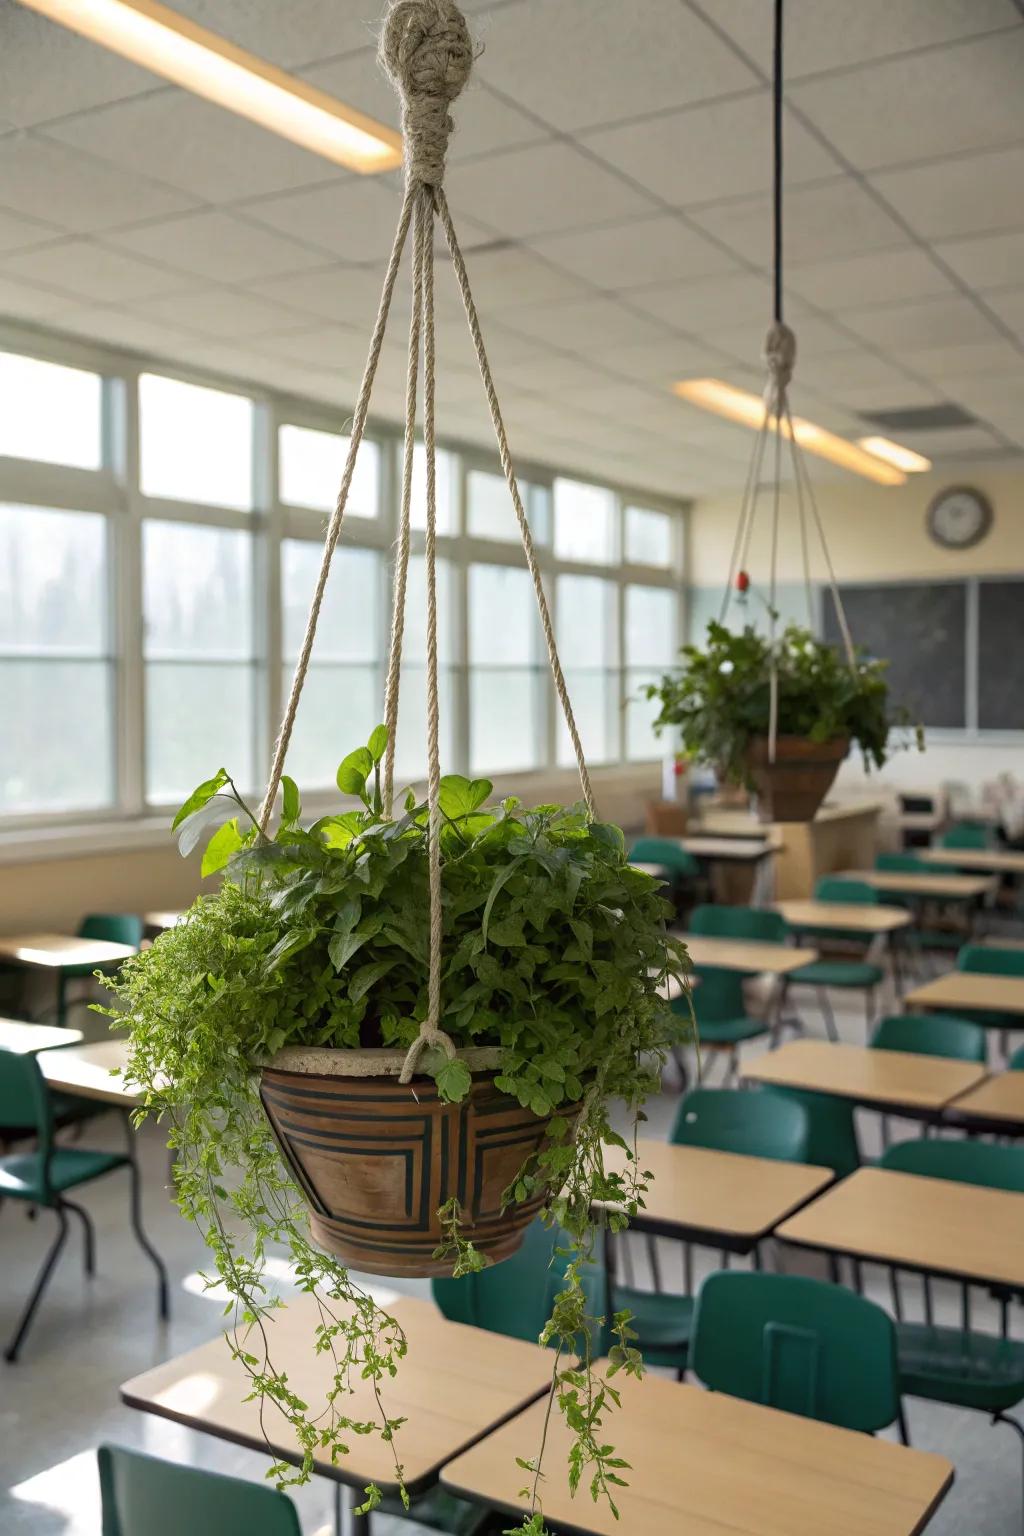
{"x":740,"y":405}
{"x":895,"y":453}
{"x":160,"y":40}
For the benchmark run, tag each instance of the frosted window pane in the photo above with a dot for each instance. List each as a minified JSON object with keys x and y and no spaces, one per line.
{"x":651,"y":615}
{"x":56,"y":751}
{"x":195,"y":443}
{"x":641,"y":742}
{"x":349,"y":624}
{"x":414,"y":640}
{"x":53,"y":582}
{"x":584,"y":522}
{"x":411,"y":749}
{"x":340,"y":706}
{"x":49,"y":412}
{"x":586,"y":621}
{"x":648,"y":536}
{"x":198,"y":718}
{"x":311,"y":465}
{"x":503,"y":623}
{"x":504,"y":719}
{"x":594,"y":696}
{"x":197,"y":591}
{"x":444,"y":473}
{"x":491,"y":515}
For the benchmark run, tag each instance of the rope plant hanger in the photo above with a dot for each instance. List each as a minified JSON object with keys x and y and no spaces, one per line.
{"x":456,"y":991}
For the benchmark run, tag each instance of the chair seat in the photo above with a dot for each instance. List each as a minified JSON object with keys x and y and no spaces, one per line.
{"x":730,"y":1031}
{"x":662,"y":1323}
{"x":837,"y":973}
{"x":971,"y":1370}
{"x":439,"y":1510}
{"x":21,"y":1173}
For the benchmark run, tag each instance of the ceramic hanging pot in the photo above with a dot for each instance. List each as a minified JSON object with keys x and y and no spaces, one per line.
{"x":793,"y":787}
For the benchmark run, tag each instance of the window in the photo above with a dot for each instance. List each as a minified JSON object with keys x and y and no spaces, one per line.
{"x":651,"y":641}
{"x":648,"y":537}
{"x":195,"y":443}
{"x":584,"y":522}
{"x":505,"y":648}
{"x":491,"y":515}
{"x":49,"y":412}
{"x":444,"y":489}
{"x":588,"y":647}
{"x":311,"y":465}
{"x":411,"y":743}
{"x":56,"y":746}
{"x":198,"y":614}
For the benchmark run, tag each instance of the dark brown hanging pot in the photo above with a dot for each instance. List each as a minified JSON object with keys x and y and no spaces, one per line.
{"x":793,"y":787}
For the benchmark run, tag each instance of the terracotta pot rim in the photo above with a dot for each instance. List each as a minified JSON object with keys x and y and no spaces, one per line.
{"x":369,"y":1061}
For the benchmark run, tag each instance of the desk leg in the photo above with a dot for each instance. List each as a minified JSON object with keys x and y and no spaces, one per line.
{"x":344,"y":1510}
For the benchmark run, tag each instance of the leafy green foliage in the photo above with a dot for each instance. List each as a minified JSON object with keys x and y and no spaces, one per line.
{"x":721,"y":697}
{"x":555,"y":951}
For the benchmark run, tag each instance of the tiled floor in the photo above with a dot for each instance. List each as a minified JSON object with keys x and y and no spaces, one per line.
{"x":60,"y":1401}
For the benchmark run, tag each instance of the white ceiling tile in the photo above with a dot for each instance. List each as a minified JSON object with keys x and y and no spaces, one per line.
{"x":545,"y":371}
{"x":221,"y":312}
{"x":218,"y":247}
{"x":20,"y":301}
{"x":350,"y":295}
{"x":833,"y":34}
{"x":39,"y":177}
{"x":355,"y":218}
{"x":17,"y":233}
{"x":635,"y":254}
{"x":834,"y":218}
{"x":135,"y":333}
{"x":540,"y":190}
{"x":293,"y":33}
{"x":84,"y":270}
{"x":942,"y":363}
{"x":843,"y":373}
{"x":701,"y":307}
{"x":1009,"y":306}
{"x":661,"y":362}
{"x":880,"y":277}
{"x":966,"y":195}
{"x":597,"y":324}
{"x":507,"y":277}
{"x":934,"y":103}
{"x":185,"y":142}
{"x":989,"y":261}
{"x":583,"y":62}
{"x":718,"y":150}
{"x":998,"y":401}
{"x":949,"y":321}
{"x":952,"y":442}
{"x":47,"y":71}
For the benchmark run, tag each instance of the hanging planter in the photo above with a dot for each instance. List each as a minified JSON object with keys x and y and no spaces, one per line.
{"x":394,"y":1036}
{"x":793,"y":786}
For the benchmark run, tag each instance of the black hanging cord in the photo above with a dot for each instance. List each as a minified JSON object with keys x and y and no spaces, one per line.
{"x":777,"y":159}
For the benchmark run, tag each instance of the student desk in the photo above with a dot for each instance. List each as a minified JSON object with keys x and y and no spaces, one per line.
{"x":86,"y":1070}
{"x":704,"y":1464}
{"x":899,"y":1082}
{"x":935,"y":887}
{"x":974,"y":990}
{"x":988,"y":861}
{"x":843,"y":917}
{"x":54,"y":951}
{"x":156,"y":922}
{"x":722,"y":1199}
{"x":932,"y":1226}
{"x":746,"y":955}
{"x":25,"y":1039}
{"x":454,"y":1385}
{"x":996,"y":1105}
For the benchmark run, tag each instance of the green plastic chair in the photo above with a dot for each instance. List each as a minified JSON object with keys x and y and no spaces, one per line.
{"x":111,"y":928}
{"x":967,"y":835}
{"x":145,"y":1496}
{"x":931,"y":1034}
{"x":43,"y":1177}
{"x":800,"y":1345}
{"x":1016,"y":1061}
{"x":918,"y":936}
{"x":988,"y":960}
{"x":734,"y":1120}
{"x":751,"y":923}
{"x":719,"y":1005}
{"x":960,"y":1366}
{"x":848,"y":975}
{"x":675,"y":861}
{"x":832,"y":1130}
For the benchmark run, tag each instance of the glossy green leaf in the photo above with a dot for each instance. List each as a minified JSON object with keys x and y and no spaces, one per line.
{"x":225,"y":841}
{"x":199,"y":797}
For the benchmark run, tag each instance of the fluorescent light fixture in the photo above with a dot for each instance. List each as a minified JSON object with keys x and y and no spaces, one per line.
{"x":160,"y":40}
{"x":740,"y":405}
{"x":893,"y":453}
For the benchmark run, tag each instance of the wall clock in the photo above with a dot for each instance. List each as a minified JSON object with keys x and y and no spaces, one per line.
{"x":959,"y":517}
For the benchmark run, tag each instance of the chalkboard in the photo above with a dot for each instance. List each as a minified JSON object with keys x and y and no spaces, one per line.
{"x":920,"y":628}
{"x":1001,"y":655}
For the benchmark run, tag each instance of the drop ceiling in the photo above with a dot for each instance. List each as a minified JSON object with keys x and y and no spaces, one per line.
{"x":608,"y":173}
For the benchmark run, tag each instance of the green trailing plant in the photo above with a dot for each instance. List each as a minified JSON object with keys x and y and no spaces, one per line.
{"x":720,"y":697}
{"x":555,"y":951}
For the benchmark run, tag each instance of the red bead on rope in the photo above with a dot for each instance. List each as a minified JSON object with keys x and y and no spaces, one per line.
{"x":742,"y":581}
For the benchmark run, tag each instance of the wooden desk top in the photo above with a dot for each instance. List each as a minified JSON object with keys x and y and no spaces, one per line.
{"x":25,"y":1039}
{"x":86,"y":1070}
{"x":962,"y":1231}
{"x":454,"y":1385}
{"x":969,"y":989}
{"x":992,"y":861}
{"x":998,"y":1099}
{"x":720,"y":1193}
{"x":743,"y":955}
{"x":945,"y":887}
{"x":742,"y":849}
{"x":997,"y":941}
{"x":851,"y":917}
{"x":897,"y":1078}
{"x":52,"y":950}
{"x":162,"y":920}
{"x":705,"y":1464}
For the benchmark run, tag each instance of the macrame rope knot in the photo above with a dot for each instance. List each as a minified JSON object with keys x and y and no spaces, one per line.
{"x":779,"y":354}
{"x":427,"y":53}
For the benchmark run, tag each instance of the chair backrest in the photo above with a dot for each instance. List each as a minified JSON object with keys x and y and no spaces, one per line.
{"x":832,"y":1131}
{"x":145,"y":1496}
{"x":754,"y":923}
{"x":735,"y":1120}
{"x":717,"y":999}
{"x":112,"y":927}
{"x":832,"y":888}
{"x":663,"y":851}
{"x":962,"y":1162}
{"x":990,"y":960}
{"x":515,"y":1296}
{"x":798,"y":1344}
{"x":903,"y":864}
{"x":25,"y":1098}
{"x":965,"y":834}
{"x":931,"y":1034}
{"x":1016,"y":1061}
